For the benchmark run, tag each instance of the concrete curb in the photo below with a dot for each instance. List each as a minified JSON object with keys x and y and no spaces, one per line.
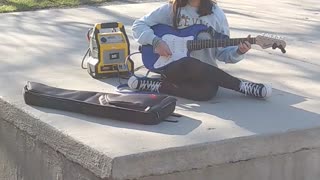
{"x":87,"y":157}
{"x":163,"y":161}
{"x":215,"y":153}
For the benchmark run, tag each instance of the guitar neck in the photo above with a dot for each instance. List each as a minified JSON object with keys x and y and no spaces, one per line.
{"x":215,"y":43}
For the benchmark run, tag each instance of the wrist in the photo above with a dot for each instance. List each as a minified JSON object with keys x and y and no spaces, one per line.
{"x":155,"y":42}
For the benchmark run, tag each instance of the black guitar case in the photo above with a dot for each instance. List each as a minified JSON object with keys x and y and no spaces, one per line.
{"x":133,"y":107}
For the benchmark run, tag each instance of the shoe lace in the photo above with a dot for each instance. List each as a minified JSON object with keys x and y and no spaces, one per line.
{"x":249,"y":88}
{"x":150,"y":85}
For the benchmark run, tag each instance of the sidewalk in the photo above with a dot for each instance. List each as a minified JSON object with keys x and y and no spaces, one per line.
{"x":47,"y":46}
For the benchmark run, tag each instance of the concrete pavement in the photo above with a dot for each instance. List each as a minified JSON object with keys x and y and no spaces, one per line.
{"x":47,"y":46}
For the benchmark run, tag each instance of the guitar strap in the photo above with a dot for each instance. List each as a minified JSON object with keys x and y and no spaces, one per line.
{"x":211,"y":31}
{"x":216,"y":35}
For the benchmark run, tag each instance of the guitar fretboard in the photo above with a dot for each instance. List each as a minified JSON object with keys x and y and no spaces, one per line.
{"x":212,"y":43}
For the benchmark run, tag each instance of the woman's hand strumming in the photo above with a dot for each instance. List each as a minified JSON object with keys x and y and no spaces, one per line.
{"x":163,"y":49}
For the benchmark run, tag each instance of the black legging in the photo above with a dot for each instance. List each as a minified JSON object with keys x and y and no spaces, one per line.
{"x":192,"y":79}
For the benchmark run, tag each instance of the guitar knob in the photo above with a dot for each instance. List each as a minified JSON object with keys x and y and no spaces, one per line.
{"x":274,"y":46}
{"x":282,"y":49}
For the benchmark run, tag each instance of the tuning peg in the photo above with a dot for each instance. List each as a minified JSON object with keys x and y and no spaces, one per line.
{"x":282,"y":49}
{"x":274,"y":46}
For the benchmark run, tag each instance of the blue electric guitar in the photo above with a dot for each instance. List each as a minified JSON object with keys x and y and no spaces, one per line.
{"x":181,"y":42}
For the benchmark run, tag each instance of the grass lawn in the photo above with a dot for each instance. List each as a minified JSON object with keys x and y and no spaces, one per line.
{"x":27,"y":5}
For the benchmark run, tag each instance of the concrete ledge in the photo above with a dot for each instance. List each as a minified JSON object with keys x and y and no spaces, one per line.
{"x":163,"y":161}
{"x":88,"y":157}
{"x":25,"y":157}
{"x":210,"y":154}
{"x":303,"y":164}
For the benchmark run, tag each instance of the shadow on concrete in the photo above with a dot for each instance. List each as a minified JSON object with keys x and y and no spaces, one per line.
{"x":70,"y":38}
{"x":184,"y":126}
{"x":72,"y":45}
{"x":279,"y":113}
{"x":73,"y":49}
{"x":276,"y":114}
{"x":308,"y":70}
{"x":38,"y":59}
{"x":227,"y":11}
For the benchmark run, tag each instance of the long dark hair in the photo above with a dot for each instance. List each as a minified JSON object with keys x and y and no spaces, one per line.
{"x":204,"y":9}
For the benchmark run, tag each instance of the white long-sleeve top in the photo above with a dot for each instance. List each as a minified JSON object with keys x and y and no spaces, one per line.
{"x":144,"y":35}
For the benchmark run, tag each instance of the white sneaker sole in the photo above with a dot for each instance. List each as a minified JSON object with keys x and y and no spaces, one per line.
{"x":268,"y":90}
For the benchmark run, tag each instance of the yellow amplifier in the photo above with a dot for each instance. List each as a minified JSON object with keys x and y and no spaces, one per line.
{"x":108,"y":51}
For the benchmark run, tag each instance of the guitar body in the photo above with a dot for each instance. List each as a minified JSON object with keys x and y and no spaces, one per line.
{"x":176,"y":39}
{"x":180,"y":41}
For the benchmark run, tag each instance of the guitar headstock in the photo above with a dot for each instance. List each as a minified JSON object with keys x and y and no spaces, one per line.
{"x":268,"y":42}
